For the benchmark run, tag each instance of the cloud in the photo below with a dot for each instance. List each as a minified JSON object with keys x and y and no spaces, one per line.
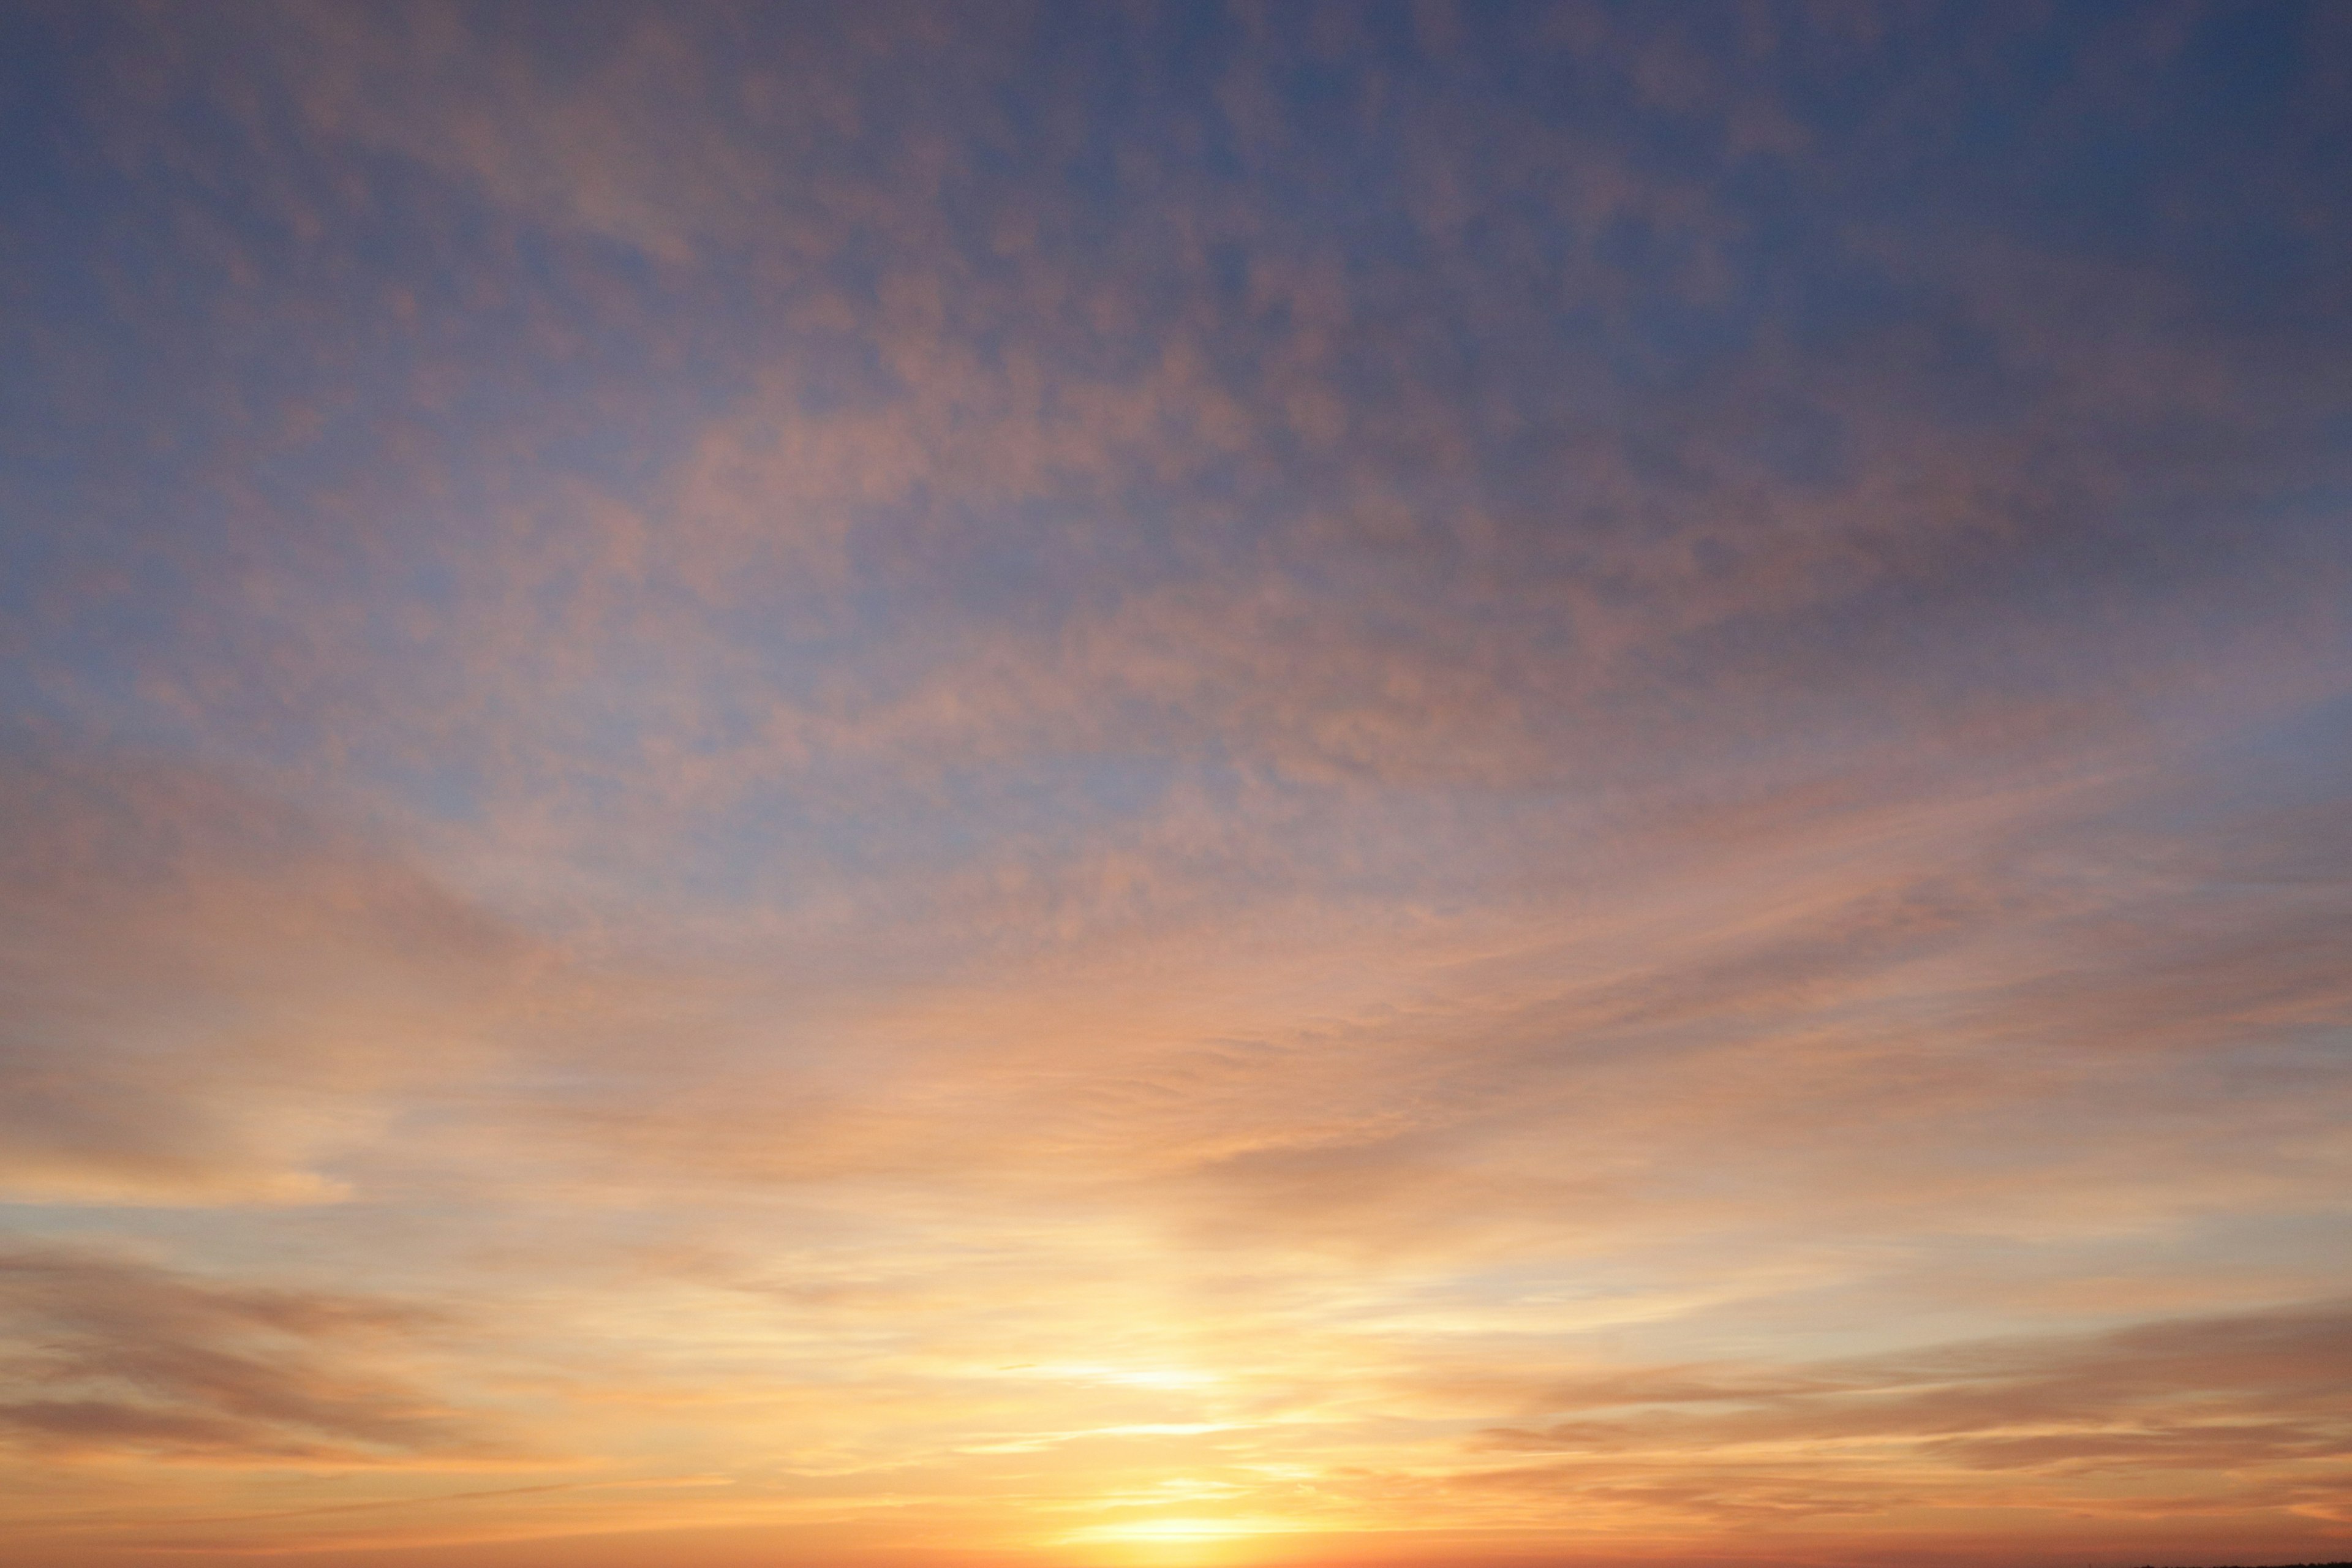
{"x":2247,"y":1403}
{"x":210,"y":991}
{"x":107,"y":1355}
{"x":1003,"y":756}
{"x":1011,"y":481}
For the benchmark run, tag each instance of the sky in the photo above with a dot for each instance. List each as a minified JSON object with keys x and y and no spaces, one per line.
{"x":1185,"y":785}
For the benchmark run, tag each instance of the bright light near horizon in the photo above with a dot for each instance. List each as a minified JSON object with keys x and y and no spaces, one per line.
{"x":1159,"y":1530}
{"x":1130,"y":1377}
{"x":1187,"y":1542}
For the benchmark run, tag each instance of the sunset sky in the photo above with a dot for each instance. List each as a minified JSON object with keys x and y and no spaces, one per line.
{"x":1175,"y":785}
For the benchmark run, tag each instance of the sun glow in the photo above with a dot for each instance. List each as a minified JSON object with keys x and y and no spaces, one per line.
{"x":1174,"y":1530}
{"x":1187,"y":1542}
{"x":1166,"y":1377}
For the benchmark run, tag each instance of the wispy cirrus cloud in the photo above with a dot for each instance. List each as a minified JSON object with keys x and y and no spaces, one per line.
{"x":209,"y":989}
{"x":117,"y":1356}
{"x":2086,"y":1420}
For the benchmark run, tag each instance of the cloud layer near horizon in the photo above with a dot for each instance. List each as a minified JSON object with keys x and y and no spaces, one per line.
{"x":1308,"y":783}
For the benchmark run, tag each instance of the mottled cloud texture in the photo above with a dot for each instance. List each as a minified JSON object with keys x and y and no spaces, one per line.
{"x":1103,"y":785}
